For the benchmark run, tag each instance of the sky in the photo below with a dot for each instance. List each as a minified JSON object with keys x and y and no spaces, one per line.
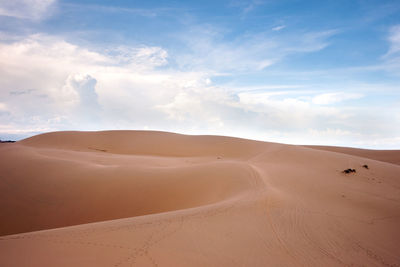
{"x":290,"y":71}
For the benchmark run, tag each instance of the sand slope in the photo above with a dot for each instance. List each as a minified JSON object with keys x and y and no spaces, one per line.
{"x":140,"y":198}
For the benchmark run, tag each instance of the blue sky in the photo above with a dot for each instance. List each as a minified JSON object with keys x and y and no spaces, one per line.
{"x":299,"y":72}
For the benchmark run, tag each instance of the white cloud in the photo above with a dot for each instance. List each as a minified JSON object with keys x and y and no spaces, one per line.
{"x":332,"y":98}
{"x":391,"y":60}
{"x":3,"y":107}
{"x":285,"y":109}
{"x":96,"y":8}
{"x":17,"y":130}
{"x":82,"y":90}
{"x":278,"y":28}
{"x":200,"y":105}
{"x":311,"y":41}
{"x":246,"y":6}
{"x":394,"y":39}
{"x":274,"y":116}
{"x":50,"y":84}
{"x":331,"y":133}
{"x":57,"y":79}
{"x":379,"y":143}
{"x":26,"y":9}
{"x":205,"y":49}
{"x":251,"y":6}
{"x":139,"y":57}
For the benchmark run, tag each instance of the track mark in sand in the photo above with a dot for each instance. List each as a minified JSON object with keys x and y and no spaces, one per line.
{"x":367,"y":221}
{"x":88,"y":243}
{"x":278,"y":237}
{"x":97,"y":149}
{"x":74,"y":238}
{"x":164,"y":236}
{"x":14,"y":237}
{"x":82,"y":234}
{"x":372,"y":255}
{"x":318,"y":246}
{"x":357,"y":244}
{"x":125,"y":259}
{"x":152,"y":260}
{"x":259,"y":205}
{"x":156,"y":236}
{"x":138,"y":251}
{"x":293,"y":218}
{"x":265,"y":206}
{"x":373,"y":220}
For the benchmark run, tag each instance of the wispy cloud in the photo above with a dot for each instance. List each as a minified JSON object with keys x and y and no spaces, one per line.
{"x":392,"y":57}
{"x":26,"y":9}
{"x":250,"y":6}
{"x":394,"y":40}
{"x":278,"y":28}
{"x":206,"y":48}
{"x":246,"y":6}
{"x":113,"y":9}
{"x":311,"y":41}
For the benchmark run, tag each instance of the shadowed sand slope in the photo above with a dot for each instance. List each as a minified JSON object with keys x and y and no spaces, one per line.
{"x":140,"y":198}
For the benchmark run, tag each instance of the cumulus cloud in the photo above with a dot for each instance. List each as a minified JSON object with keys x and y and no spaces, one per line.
{"x":332,"y":98}
{"x":26,"y":9}
{"x":82,"y":90}
{"x":274,"y":116}
{"x":49,"y":84}
{"x":58,"y":82}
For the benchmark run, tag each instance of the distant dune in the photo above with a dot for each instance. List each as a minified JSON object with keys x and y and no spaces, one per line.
{"x":144,"y":198}
{"x":390,"y":156}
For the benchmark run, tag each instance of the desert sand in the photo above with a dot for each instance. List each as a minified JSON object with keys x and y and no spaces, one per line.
{"x":144,"y":198}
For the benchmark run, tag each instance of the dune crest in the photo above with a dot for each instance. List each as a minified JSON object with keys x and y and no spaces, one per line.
{"x":161,"y":199}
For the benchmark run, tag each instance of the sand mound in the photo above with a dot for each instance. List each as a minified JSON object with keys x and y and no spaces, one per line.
{"x":147,"y":143}
{"x":195,"y":201}
{"x":57,"y":179}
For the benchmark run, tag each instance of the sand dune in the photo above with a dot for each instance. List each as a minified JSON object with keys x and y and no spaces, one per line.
{"x":390,"y":156}
{"x":141,"y":198}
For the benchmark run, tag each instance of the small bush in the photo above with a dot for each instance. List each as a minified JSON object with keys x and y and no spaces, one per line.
{"x":349,"y":171}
